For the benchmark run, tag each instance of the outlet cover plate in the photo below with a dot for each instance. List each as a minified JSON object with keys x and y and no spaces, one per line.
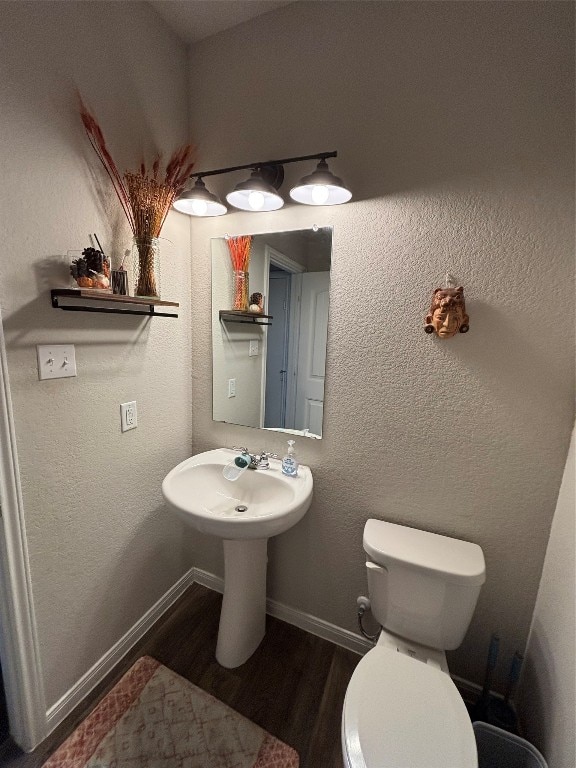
{"x":56,"y":361}
{"x":128,"y":416}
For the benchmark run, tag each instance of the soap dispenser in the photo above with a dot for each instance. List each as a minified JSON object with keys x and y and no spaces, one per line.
{"x":290,"y":462}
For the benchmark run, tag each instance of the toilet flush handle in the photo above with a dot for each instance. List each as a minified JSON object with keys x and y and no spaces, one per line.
{"x":378,"y":590}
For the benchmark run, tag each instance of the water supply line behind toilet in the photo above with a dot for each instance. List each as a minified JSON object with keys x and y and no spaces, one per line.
{"x":363,"y":605}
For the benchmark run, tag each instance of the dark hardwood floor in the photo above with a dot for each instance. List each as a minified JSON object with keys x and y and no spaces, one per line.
{"x":293,"y":686}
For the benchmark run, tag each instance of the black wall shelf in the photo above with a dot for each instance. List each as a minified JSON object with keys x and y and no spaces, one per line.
{"x":140,"y":305}
{"x":237,"y":316}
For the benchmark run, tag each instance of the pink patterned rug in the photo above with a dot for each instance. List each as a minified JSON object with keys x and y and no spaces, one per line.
{"x":153,"y":718}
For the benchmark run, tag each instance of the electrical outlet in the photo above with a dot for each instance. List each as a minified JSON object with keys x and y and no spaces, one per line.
{"x":128,"y":416}
{"x":253,"y":348}
{"x":231,"y":387}
{"x":56,"y":361}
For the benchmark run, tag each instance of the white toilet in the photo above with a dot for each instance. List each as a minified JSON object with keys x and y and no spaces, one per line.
{"x":402,"y":709}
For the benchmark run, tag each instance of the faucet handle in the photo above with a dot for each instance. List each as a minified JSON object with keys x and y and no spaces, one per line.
{"x":262,"y":460}
{"x":240,"y":448}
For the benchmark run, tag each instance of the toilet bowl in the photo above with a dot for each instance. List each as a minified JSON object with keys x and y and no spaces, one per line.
{"x":402,"y":709}
{"x":403,"y":712}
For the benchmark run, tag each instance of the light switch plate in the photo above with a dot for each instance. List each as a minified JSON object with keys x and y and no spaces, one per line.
{"x":231,"y":387}
{"x":253,"y":348}
{"x":56,"y":361}
{"x":128,"y":416}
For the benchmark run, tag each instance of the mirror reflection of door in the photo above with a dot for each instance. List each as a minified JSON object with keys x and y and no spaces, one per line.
{"x":296,"y":345}
{"x":312,"y":351}
{"x":277,"y":347}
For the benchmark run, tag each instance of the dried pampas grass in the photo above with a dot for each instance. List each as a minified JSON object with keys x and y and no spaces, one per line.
{"x":145,"y":197}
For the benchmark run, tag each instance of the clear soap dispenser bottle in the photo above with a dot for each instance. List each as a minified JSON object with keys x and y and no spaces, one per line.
{"x":290,"y":462}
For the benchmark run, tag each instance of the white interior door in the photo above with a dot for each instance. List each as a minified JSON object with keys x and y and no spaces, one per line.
{"x":312,"y":351}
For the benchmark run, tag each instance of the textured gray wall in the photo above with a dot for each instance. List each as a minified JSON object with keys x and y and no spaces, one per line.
{"x":103,"y":548}
{"x":454,"y":126}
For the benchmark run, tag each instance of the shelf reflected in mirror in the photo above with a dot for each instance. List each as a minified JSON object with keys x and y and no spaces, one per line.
{"x":270,"y":373}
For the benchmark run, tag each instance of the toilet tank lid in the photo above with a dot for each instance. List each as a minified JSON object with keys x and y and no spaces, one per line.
{"x":455,"y":561}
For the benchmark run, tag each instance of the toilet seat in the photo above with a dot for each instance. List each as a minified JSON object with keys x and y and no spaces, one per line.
{"x":403,"y":713}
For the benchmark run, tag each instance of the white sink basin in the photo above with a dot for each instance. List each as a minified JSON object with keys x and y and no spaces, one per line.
{"x":200,"y":495}
{"x":244,"y":514}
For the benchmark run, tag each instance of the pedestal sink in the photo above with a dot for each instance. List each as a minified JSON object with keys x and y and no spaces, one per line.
{"x":244,"y":514}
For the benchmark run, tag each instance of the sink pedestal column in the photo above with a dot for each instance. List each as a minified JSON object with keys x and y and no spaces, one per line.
{"x":243,"y":617}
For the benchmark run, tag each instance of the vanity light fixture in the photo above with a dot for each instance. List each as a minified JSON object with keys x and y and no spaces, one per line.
{"x":198,"y":201}
{"x":321,"y":187}
{"x":255,"y":194}
{"x":260,"y":191}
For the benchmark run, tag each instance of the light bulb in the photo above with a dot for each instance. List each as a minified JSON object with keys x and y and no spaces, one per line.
{"x":199,"y":207}
{"x":256,"y":200}
{"x":320,"y":194}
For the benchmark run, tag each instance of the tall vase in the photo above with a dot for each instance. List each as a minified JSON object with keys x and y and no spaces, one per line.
{"x":146,"y":267}
{"x":240,"y":291}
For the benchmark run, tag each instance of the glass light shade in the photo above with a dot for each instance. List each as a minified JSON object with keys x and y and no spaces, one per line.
{"x":198,"y":201}
{"x":321,"y":187}
{"x":255,"y":194}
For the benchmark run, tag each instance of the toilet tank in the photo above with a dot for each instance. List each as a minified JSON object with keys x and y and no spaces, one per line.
{"x":422,"y":586}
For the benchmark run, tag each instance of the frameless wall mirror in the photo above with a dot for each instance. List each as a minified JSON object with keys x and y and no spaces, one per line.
{"x":271,"y":376}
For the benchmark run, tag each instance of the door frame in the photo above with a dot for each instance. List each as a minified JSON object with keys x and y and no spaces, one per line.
{"x":19,"y":648}
{"x":272,"y":256}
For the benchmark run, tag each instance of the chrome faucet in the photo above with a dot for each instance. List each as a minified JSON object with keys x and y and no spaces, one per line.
{"x":257,"y":461}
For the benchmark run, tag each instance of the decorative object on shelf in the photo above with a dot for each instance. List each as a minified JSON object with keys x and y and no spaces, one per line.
{"x":119,"y":278}
{"x":256,"y":303}
{"x":447,"y":315}
{"x":146,"y":266}
{"x":91,"y":270}
{"x":239,"y":248}
{"x":120,"y":282}
{"x":240,"y":290}
{"x":260,"y":191}
{"x":145,"y":198}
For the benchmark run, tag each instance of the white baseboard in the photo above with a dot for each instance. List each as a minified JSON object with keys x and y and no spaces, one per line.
{"x":469,"y":691}
{"x":215,"y":583}
{"x":103,"y":666}
{"x":311,"y":624}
